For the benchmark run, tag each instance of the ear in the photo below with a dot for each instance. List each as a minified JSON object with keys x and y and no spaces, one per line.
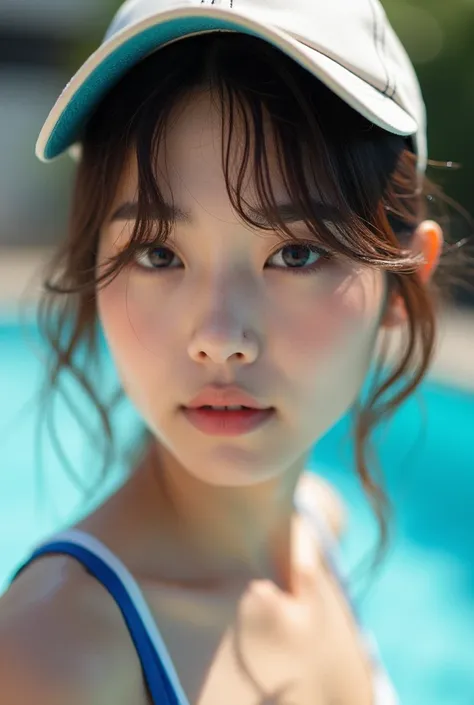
{"x":427,"y":241}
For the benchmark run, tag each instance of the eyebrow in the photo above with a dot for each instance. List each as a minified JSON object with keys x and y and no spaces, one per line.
{"x":129,"y":211}
{"x":288,"y":212}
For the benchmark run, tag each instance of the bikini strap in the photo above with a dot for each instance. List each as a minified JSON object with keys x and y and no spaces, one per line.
{"x":158,"y":670}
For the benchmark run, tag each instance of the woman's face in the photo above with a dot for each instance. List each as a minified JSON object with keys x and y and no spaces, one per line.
{"x":223,"y":304}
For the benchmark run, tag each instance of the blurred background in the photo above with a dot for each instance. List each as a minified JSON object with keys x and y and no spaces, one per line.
{"x":421,"y":604}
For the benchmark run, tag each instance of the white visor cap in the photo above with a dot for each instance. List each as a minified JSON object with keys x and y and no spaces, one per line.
{"x":349,"y":45}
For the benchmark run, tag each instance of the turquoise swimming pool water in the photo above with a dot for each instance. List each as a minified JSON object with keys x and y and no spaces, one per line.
{"x":420,"y":605}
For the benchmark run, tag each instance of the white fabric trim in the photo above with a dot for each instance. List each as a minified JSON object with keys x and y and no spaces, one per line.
{"x":96,"y":547}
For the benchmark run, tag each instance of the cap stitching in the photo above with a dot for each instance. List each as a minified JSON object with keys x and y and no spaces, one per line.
{"x":381,"y":49}
{"x":339,"y":63}
{"x":377,"y":47}
{"x":392,"y":76}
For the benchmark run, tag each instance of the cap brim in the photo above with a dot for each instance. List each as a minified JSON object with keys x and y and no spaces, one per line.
{"x":119,"y":54}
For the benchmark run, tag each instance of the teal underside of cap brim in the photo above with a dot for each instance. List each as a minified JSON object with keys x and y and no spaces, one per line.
{"x":68,"y":128}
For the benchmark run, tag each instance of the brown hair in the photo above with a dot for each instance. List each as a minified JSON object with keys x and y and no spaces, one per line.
{"x":369,"y":174}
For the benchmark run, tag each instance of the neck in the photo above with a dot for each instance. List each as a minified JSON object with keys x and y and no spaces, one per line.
{"x":221,"y":533}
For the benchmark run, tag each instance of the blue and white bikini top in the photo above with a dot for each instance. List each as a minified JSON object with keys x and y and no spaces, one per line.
{"x":159,"y":673}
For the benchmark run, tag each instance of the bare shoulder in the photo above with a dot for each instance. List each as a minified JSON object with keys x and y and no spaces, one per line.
{"x":326,"y":498}
{"x":58,"y":641}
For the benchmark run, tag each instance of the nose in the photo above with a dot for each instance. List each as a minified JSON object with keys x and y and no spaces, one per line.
{"x":222,"y":337}
{"x":219,"y":344}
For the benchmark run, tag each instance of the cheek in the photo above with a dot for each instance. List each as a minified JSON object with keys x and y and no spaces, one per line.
{"x":319,"y":325}
{"x":326,"y":353}
{"x":323,"y":327}
{"x":126,"y":334}
{"x":134,"y":319}
{"x":142,"y":364}
{"x":111,"y":307}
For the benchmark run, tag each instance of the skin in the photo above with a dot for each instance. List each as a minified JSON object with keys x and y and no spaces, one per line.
{"x":206,"y":524}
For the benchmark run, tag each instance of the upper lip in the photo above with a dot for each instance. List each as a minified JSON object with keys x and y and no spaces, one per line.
{"x":224,"y":396}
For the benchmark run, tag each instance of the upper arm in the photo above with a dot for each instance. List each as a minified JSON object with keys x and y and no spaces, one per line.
{"x":37,"y":654}
{"x":49,"y":627}
{"x":327,"y":501}
{"x":21,"y":680}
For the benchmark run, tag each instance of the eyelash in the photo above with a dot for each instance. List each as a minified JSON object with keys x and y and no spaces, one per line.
{"x":324,"y":257}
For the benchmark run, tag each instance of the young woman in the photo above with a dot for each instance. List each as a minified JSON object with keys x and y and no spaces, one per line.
{"x":248,"y":225}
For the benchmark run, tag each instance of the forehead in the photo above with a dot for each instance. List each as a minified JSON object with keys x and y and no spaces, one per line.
{"x":189,"y":164}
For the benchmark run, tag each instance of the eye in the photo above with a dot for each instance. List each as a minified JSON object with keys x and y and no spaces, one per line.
{"x":155,"y":257}
{"x":300,"y":257}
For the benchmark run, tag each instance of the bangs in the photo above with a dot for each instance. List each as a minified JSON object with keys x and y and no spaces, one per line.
{"x":336,"y":167}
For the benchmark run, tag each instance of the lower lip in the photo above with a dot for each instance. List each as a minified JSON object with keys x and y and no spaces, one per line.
{"x":227,"y":423}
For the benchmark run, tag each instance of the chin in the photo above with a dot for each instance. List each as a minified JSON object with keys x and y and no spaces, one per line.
{"x":234,"y":468}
